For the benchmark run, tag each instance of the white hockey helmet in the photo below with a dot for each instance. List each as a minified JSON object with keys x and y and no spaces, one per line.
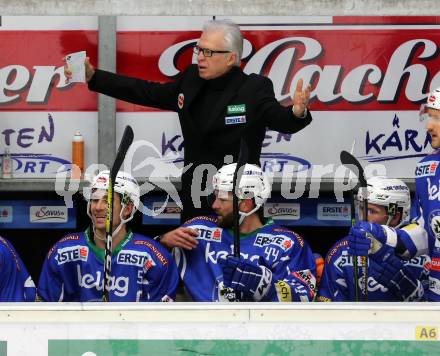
{"x":253,"y":184}
{"x":433,"y":101}
{"x":391,"y":193}
{"x":125,"y":185}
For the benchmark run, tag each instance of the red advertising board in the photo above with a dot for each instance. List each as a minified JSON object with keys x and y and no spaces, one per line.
{"x":39,"y":112}
{"x":369,"y":76}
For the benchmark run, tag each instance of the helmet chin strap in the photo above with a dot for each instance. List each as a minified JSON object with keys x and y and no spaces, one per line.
{"x":243,"y":214}
{"x":118,"y":228}
{"x":123,"y":221}
{"x":389,"y":220}
{"x":398,"y":225}
{"x":95,"y":235}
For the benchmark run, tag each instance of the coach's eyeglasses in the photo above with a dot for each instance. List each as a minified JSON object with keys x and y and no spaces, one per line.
{"x":206,"y":51}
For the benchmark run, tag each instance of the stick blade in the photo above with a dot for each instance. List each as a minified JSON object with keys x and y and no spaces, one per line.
{"x":124,"y":145}
{"x":347,"y":158}
{"x":351,"y":162}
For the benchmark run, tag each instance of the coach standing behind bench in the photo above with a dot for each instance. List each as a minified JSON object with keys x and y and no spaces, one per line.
{"x":216,"y":102}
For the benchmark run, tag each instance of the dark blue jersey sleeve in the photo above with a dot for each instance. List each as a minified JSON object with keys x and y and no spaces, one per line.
{"x":16,"y":284}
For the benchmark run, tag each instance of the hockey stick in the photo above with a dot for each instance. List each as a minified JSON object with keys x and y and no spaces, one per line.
{"x":353,"y":222}
{"x":348,"y":160}
{"x":241,"y":161}
{"x":124,"y":145}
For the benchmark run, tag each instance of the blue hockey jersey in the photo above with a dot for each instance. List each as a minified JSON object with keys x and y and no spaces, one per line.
{"x":284,"y":252}
{"x":337,"y":282}
{"x":428,"y":209}
{"x":142,"y":271}
{"x":16,"y":285}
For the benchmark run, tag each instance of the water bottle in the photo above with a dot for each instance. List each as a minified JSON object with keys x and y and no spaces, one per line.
{"x":77,"y":155}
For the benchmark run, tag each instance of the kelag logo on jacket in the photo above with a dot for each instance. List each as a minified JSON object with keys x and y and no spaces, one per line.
{"x":236,"y":109}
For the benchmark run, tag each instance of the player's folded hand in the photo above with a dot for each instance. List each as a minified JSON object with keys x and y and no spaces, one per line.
{"x":183,"y":237}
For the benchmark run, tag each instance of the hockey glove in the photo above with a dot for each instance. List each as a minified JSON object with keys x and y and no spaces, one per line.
{"x":408,"y":242}
{"x":246,"y":277}
{"x":382,"y":233}
{"x":390,"y":271}
{"x":358,"y":243}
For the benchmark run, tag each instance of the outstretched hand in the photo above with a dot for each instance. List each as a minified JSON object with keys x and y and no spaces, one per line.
{"x":300,"y":99}
{"x":90,"y":70}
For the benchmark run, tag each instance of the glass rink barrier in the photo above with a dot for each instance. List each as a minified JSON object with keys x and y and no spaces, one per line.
{"x":75,"y":329}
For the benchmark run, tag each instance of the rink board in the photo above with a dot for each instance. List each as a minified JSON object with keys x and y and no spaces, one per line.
{"x":213,"y":329}
{"x":238,"y":347}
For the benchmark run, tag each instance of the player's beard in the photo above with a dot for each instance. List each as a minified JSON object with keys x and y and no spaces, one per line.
{"x":226,"y":221}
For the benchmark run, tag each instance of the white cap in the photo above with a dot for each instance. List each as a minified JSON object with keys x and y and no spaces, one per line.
{"x":78,"y":137}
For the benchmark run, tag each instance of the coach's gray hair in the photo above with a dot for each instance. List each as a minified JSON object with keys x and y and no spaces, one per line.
{"x":232,"y":35}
